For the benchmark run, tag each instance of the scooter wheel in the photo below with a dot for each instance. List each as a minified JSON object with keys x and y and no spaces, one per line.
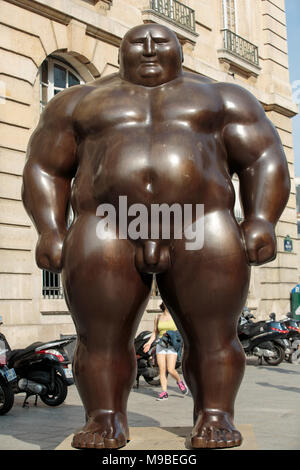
{"x":58,"y":395}
{"x":279,"y":357}
{"x":6,"y":397}
{"x":152,"y":381}
{"x":295,"y":357}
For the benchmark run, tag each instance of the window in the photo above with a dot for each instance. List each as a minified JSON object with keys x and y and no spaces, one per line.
{"x":52,"y":288}
{"x":55,"y":75}
{"x":230,"y":15}
{"x":237,"y":51}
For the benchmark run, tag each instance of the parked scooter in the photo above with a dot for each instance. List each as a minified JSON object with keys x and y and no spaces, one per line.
{"x":258,"y":339}
{"x":41,"y":369}
{"x":146,"y":362}
{"x":8,"y":378}
{"x":293,"y":336}
{"x":281,"y":343}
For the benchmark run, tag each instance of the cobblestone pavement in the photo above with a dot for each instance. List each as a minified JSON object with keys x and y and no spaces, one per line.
{"x":268,"y":399}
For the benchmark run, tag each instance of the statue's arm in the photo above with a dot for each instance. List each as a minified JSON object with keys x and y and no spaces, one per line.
{"x":256,"y":154}
{"x":49,"y":168}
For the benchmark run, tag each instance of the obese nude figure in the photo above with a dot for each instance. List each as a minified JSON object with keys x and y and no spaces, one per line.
{"x":155,"y":134}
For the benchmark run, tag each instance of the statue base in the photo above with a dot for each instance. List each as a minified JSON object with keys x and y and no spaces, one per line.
{"x":156,"y":438}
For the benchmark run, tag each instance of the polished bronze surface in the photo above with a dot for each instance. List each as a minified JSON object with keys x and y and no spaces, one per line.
{"x":155,"y":134}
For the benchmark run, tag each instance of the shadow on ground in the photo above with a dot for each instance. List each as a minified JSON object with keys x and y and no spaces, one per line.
{"x":280,"y":387}
{"x":51,"y":425}
{"x":280,"y":370}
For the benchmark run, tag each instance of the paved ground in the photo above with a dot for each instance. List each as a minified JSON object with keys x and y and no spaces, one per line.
{"x":269,"y":400}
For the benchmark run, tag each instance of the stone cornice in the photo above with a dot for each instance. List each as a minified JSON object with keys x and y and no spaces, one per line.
{"x":63,"y":11}
{"x":291,"y":111}
{"x":43,"y":9}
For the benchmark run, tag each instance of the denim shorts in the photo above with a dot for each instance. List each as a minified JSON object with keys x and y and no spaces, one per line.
{"x":161,"y":350}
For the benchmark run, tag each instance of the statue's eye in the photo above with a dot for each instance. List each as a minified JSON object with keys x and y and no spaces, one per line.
{"x":138,"y":41}
{"x":160,"y":40}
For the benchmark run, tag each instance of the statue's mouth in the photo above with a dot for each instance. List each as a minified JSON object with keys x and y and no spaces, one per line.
{"x":149,"y":62}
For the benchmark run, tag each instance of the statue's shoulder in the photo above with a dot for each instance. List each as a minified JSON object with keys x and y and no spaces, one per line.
{"x":239,"y":102}
{"x":233,"y":90}
{"x":78,"y":91}
{"x":63,"y":104}
{"x":235,"y":93}
{"x":66,"y":101}
{"x":193,"y":77}
{"x":110,"y":79}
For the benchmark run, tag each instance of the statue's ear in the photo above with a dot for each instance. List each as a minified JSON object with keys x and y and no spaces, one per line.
{"x":181,"y":50}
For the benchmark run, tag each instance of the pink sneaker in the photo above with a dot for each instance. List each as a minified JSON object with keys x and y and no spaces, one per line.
{"x":162,"y":396}
{"x":182,"y":387}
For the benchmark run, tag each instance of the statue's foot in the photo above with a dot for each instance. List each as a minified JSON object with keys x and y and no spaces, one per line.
{"x":214,"y":429}
{"x":103,"y":430}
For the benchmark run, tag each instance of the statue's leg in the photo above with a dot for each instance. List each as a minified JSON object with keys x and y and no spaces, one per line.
{"x":206,"y":291}
{"x":106,"y":296}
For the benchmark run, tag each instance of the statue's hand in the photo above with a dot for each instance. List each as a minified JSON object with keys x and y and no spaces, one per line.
{"x":49,"y":251}
{"x":260,"y":241}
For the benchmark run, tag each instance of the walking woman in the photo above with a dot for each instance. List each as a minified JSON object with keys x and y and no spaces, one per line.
{"x":166,"y":357}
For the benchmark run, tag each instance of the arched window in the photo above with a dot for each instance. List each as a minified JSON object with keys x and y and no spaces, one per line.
{"x":56,"y":74}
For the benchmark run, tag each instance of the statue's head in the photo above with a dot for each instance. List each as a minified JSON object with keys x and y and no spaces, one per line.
{"x":150,"y":55}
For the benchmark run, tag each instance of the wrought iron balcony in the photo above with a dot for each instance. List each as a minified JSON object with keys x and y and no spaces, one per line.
{"x":240,"y":47}
{"x":176,"y":12}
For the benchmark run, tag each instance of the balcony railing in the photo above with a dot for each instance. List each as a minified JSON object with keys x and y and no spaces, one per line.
{"x":175,"y":12}
{"x":240,"y":47}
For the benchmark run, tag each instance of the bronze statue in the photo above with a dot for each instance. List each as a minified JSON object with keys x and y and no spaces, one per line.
{"x":155,"y":134}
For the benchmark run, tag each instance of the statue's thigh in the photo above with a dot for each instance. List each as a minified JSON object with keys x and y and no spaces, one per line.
{"x":207,"y":288}
{"x":101,"y":283}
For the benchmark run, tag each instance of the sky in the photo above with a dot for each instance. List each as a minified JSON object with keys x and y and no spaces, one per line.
{"x":293,"y":33}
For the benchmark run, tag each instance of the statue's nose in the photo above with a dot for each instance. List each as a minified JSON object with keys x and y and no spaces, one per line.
{"x":149,"y":46}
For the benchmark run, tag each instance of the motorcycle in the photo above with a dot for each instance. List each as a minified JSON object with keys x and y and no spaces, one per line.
{"x":281,"y":343}
{"x":8,"y":379}
{"x":293,"y":336}
{"x":42,"y":370}
{"x":147,"y":362}
{"x":258,"y":339}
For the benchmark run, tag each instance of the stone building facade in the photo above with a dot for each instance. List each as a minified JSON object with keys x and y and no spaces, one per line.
{"x":47,"y":45}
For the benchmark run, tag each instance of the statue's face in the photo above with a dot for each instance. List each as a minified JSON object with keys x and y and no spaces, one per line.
{"x":150,"y":55}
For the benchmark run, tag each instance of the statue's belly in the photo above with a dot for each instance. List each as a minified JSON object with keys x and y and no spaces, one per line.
{"x":151,"y":168}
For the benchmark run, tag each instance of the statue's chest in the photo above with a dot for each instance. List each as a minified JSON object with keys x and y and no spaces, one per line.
{"x":124,"y":109}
